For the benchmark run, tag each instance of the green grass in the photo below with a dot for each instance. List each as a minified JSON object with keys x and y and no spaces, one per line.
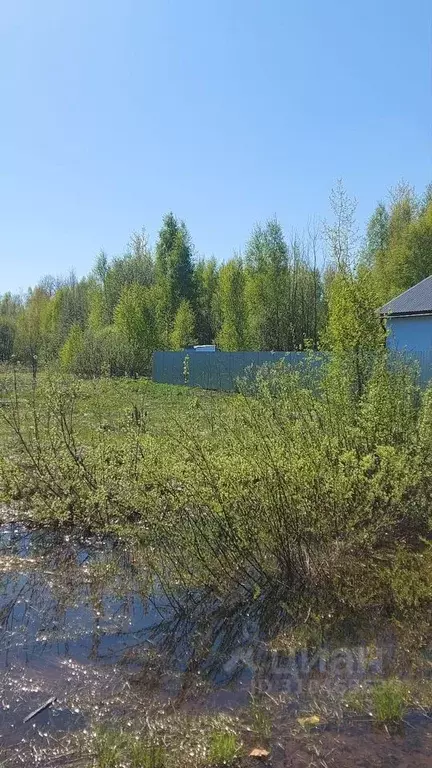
{"x":224,"y":749}
{"x":105,"y":400}
{"x":115,"y":750}
{"x":66,"y":440}
{"x":389,"y":701}
{"x":172,"y":741}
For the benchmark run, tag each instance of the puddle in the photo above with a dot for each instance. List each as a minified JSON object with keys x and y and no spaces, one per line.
{"x":86,"y":622}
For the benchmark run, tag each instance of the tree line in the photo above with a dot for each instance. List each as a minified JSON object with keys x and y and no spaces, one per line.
{"x":320,"y":290}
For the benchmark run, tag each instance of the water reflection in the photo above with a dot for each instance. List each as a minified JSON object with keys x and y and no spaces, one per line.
{"x":85,"y":620}
{"x":95,"y":601}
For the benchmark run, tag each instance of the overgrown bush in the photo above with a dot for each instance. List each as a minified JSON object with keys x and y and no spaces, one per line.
{"x":92,"y":482}
{"x":96,"y":353}
{"x":298,"y":484}
{"x":311,"y":486}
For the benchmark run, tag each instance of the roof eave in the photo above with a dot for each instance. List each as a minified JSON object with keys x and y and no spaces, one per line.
{"x":405,"y":314}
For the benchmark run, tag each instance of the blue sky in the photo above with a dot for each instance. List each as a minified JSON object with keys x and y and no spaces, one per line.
{"x":224,"y":111}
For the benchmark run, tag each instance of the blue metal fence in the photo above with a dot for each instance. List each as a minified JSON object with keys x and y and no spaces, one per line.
{"x":220,"y":370}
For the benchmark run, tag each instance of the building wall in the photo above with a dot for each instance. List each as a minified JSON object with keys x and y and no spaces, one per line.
{"x":411,"y":334}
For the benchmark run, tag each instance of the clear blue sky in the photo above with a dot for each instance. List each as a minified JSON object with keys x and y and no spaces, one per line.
{"x":224,"y":111}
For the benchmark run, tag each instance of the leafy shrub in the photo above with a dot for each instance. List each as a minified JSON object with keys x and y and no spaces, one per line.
{"x":299,"y":486}
{"x":90,"y":483}
{"x":309,"y":486}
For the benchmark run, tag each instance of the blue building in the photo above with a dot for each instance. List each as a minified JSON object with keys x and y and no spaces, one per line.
{"x":408,"y":319}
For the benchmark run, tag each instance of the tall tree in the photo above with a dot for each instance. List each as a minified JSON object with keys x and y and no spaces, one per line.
{"x":141,"y":259}
{"x":174,"y":272}
{"x":10,"y":306}
{"x":67,"y":307}
{"x":353,"y":330}
{"x":29,"y":338}
{"x":207,"y":280}
{"x":416,"y":251}
{"x":7,"y":337}
{"x":377,"y":236}
{"x":233,"y":333}
{"x":353,"y":324}
{"x":267,"y":286}
{"x":72,"y":350}
{"x":342,"y":233}
{"x":390,"y":240}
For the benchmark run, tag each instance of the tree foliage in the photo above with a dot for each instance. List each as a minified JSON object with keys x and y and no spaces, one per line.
{"x":135,"y":322}
{"x":278,"y":295}
{"x":233,"y":331}
{"x":183,"y":333}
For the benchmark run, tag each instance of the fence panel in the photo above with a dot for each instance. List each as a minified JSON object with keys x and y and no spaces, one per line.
{"x":220,"y":370}
{"x":168,"y":367}
{"x":213,"y":370}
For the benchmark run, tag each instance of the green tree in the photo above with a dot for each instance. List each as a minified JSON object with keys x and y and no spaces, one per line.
{"x":207,"y":313}
{"x":7,"y":337}
{"x":233,"y":334}
{"x":342,"y":234}
{"x":140,"y":259}
{"x":267,"y":286}
{"x":29,"y":338}
{"x":283,"y":289}
{"x":416,"y":250}
{"x":174,"y":273}
{"x":98,"y":315}
{"x":377,"y":236}
{"x":69,"y":305}
{"x":134,"y":318}
{"x":399,"y":243}
{"x":10,"y":308}
{"x":354,"y":330}
{"x":72,"y":349}
{"x":183,"y":333}
{"x":390,"y":266}
{"x":426,"y":200}
{"x":353,"y":323}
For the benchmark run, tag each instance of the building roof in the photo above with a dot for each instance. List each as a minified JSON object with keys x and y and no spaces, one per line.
{"x":415,"y":301}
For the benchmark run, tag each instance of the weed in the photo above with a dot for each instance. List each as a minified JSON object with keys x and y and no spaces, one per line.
{"x":261,"y":721}
{"x":147,"y":755}
{"x":388,"y":700}
{"x":224,"y":748}
{"x":115,"y":749}
{"x":108,"y":748}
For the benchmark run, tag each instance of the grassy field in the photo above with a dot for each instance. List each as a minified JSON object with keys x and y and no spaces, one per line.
{"x":105,"y":401}
{"x":75,"y":447}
